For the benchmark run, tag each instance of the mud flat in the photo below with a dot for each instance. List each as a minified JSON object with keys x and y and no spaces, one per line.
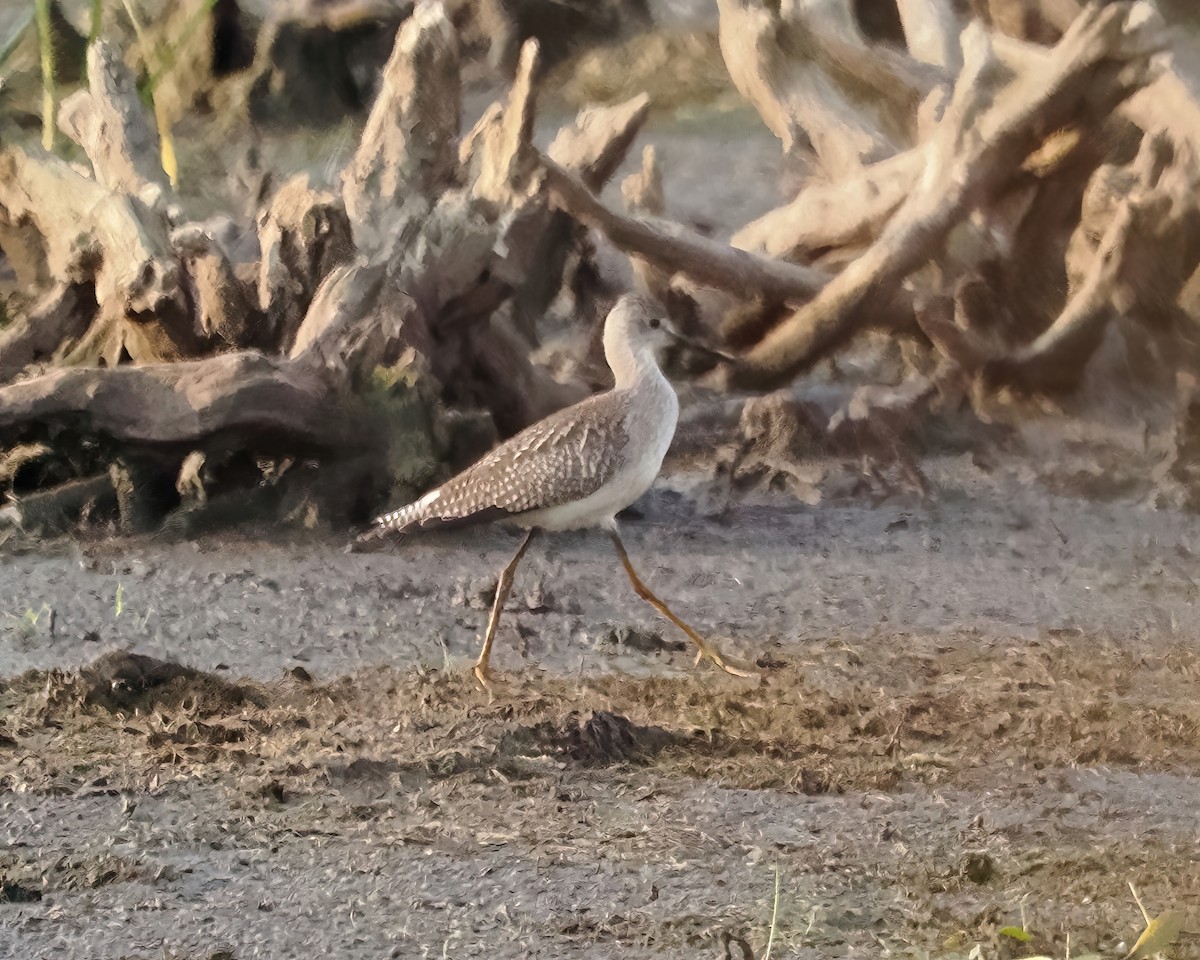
{"x":973,"y":713}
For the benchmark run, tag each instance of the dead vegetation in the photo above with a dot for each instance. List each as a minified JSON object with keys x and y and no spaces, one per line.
{"x":842,"y":732}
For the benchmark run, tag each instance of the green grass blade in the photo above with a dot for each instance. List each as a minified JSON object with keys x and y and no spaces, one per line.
{"x":774,"y":918}
{"x":97,"y":21}
{"x":46,"y":46}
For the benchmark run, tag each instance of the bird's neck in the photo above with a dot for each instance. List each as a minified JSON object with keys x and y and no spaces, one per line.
{"x":630,"y":364}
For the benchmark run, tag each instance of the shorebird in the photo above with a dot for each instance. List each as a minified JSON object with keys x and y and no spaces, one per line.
{"x":575,"y":469}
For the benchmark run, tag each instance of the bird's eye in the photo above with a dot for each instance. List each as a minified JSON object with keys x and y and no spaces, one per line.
{"x":655,"y":323}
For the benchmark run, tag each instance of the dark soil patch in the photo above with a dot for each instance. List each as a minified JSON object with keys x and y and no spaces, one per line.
{"x":124,"y":681}
{"x":28,"y":874}
{"x":604,"y":739}
{"x":13,"y":892}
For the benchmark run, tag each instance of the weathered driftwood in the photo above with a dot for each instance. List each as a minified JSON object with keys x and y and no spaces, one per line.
{"x":1042,"y":21}
{"x":1172,"y":101}
{"x":111,"y":231}
{"x":1148,"y":247}
{"x":498,"y":236}
{"x":332,"y":334}
{"x":829,"y":215}
{"x":59,"y":509}
{"x":303,"y":235}
{"x":793,"y":93}
{"x":643,"y":191}
{"x":461,"y":258}
{"x":92,"y":234}
{"x":461,"y":253}
{"x":674,"y":247}
{"x":301,"y":400}
{"x":22,"y":457}
{"x":597,"y":143}
{"x":895,"y":77}
{"x":253,"y":396}
{"x":643,"y":195}
{"x":931,"y":31}
{"x":594,"y":146}
{"x":61,"y":316}
{"x":987,"y":131}
{"x":108,"y":120}
{"x":359,"y":320}
{"x":834,"y":220}
{"x":445,"y":259}
{"x":405,"y":157}
{"x":225,"y":312}
{"x":498,"y":155}
{"x":500,"y":165}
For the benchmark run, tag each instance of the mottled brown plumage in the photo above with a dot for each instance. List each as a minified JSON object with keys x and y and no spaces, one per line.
{"x":564,"y":458}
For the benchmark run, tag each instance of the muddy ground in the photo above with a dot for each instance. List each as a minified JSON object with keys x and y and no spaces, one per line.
{"x":972,"y":712}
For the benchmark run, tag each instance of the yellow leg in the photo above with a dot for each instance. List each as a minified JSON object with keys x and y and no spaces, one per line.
{"x":704,"y":651}
{"x":482,"y":672}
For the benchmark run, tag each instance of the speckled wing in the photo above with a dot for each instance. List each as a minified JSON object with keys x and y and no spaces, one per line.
{"x":565,"y":457}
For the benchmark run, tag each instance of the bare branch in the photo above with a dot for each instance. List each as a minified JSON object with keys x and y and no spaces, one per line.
{"x":673,"y":247}
{"x":984,"y":137}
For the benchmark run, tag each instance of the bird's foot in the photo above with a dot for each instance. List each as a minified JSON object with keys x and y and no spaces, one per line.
{"x":707,"y":652}
{"x":484,"y":677}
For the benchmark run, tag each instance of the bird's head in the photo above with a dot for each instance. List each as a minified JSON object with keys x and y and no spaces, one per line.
{"x":641,"y":323}
{"x":644,"y":325}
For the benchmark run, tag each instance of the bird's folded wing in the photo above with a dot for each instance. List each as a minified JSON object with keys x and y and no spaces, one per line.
{"x":563,"y":458}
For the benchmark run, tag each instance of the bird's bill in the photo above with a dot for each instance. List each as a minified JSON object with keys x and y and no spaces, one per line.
{"x":701,"y":347}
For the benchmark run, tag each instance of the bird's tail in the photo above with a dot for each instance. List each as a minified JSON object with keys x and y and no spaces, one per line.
{"x":395,"y":522}
{"x":425,"y":514}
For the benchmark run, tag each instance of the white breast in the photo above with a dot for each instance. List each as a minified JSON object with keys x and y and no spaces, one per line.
{"x":650,"y":427}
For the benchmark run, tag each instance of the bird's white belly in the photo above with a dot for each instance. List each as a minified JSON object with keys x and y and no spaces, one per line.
{"x":597,"y":509}
{"x":650,"y":426}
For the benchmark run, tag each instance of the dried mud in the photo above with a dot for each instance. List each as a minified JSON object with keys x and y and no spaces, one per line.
{"x":971,"y":713}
